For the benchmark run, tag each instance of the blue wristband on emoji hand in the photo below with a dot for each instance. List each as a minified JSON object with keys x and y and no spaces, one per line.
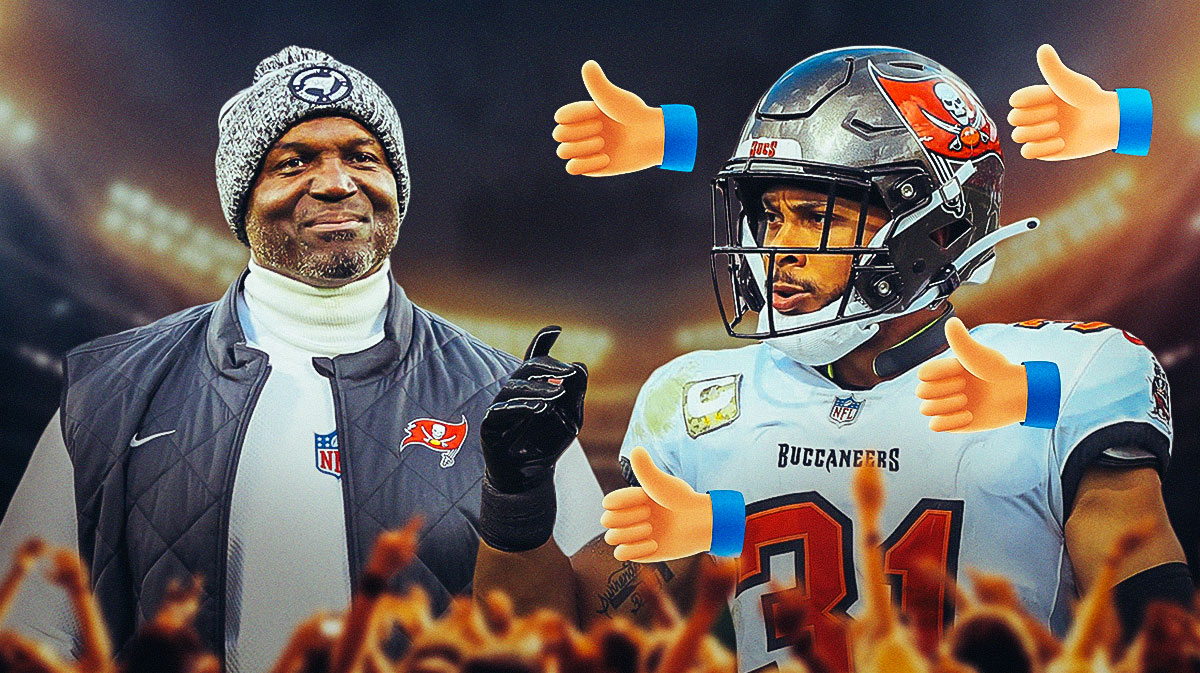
{"x":729,"y":523}
{"x":682,"y":131}
{"x":1045,"y":391}
{"x":1137,"y":121}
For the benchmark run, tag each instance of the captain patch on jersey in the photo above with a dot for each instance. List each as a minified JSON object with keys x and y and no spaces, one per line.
{"x":710,"y":404}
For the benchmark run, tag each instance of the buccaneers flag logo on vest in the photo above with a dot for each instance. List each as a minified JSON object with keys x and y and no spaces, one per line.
{"x":435,"y":435}
{"x":947,"y":118}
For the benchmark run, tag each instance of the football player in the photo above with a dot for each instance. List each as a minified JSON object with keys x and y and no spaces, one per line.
{"x":864,"y":189}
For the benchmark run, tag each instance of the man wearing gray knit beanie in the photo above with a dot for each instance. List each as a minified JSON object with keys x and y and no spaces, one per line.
{"x":299,"y":95}
{"x":263,"y":441}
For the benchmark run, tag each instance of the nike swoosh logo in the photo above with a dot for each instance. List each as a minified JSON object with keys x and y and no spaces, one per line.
{"x":136,"y":441}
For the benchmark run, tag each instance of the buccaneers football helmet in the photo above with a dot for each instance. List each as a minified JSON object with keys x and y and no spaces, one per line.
{"x":871,"y":126}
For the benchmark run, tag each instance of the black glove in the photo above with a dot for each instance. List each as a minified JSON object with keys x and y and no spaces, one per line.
{"x":534,"y":418}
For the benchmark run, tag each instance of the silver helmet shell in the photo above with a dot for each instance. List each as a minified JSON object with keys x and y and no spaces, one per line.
{"x":877,"y":126}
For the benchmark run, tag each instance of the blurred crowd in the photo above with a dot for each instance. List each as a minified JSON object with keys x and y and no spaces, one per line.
{"x":392,"y":629}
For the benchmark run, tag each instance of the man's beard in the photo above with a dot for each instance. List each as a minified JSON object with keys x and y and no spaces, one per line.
{"x":274,"y":249}
{"x":826,"y":295}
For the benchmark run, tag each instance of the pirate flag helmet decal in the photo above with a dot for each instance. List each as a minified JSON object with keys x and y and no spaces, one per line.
{"x":946,"y":117}
{"x":870,"y":128}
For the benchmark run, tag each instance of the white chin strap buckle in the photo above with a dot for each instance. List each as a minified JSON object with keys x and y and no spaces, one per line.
{"x":985,"y":244}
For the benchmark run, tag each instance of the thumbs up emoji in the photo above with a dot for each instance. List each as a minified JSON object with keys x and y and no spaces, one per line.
{"x":1068,"y":117}
{"x":977,"y":389}
{"x":614,"y":133}
{"x":661,"y":520}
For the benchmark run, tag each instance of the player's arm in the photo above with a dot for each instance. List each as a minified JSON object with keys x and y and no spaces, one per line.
{"x":590,"y":584}
{"x":1110,"y":501}
{"x":595,"y":582}
{"x":1113,"y":438}
{"x":540,"y":577}
{"x":43,"y":506}
{"x":606,"y":587}
{"x":517,"y":553}
{"x":657,"y":528}
{"x":577,"y":521}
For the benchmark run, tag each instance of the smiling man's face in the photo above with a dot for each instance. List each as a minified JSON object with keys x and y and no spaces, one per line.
{"x":323,"y":209}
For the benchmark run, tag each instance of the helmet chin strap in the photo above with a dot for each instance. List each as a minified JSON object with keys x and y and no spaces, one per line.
{"x":984,"y":245}
{"x":917,"y":348}
{"x":932,"y":338}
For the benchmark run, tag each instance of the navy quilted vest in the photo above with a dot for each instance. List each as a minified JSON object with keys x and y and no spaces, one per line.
{"x":160,"y":511}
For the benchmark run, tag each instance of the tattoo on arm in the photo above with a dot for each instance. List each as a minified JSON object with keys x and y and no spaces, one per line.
{"x":622,"y":588}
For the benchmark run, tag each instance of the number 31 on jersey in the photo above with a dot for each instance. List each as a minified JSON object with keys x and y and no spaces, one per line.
{"x":819,"y":537}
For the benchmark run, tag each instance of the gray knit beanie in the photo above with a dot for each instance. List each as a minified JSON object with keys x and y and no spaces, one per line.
{"x":293,"y":85}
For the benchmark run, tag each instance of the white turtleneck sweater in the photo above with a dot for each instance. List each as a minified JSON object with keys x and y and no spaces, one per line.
{"x":287,"y":554}
{"x":283,"y":502}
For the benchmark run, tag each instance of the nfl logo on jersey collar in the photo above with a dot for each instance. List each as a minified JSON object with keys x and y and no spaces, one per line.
{"x":845,"y":410}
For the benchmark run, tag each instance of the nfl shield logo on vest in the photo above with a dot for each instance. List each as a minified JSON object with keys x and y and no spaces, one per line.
{"x":329,"y":460}
{"x":845,"y":410}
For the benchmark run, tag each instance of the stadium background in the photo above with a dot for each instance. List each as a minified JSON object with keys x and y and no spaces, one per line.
{"x":109,"y":215}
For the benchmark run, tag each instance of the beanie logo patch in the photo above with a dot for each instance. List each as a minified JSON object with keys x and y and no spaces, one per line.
{"x":320,"y":85}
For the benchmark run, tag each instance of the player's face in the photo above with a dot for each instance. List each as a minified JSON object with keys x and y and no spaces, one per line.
{"x":323,"y":209}
{"x":793,"y":217}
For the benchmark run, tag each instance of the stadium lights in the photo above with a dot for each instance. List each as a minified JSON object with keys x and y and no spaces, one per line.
{"x":1096,"y":210}
{"x":708,"y":336}
{"x":15,"y":129}
{"x":40,"y":359}
{"x":133,"y":215}
{"x":1170,"y":358}
{"x":577,"y":343}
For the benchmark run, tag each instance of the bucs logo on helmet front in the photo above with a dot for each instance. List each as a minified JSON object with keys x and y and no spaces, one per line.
{"x":946,"y":117}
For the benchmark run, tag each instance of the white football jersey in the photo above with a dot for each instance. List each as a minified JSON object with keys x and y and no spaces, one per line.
{"x":786,"y":437}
